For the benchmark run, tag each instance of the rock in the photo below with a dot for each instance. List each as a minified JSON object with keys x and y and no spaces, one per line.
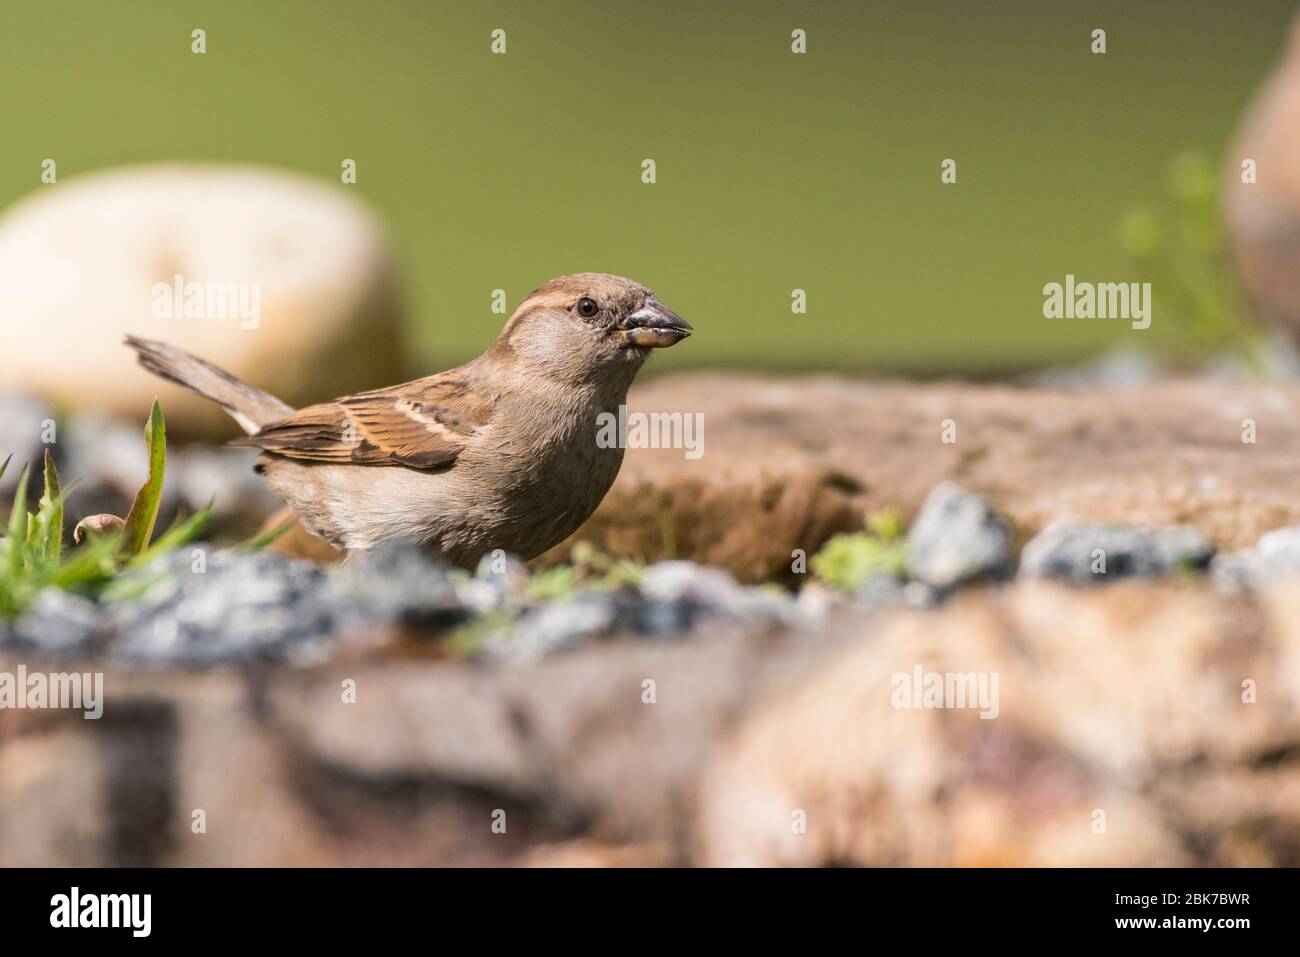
{"x":240,"y":607}
{"x":505,"y":571}
{"x":671,"y":599}
{"x":1276,"y":555}
{"x":700,"y":591}
{"x":789,"y":462}
{"x":1234,"y":571}
{"x":665,"y":618}
{"x":957,"y":538}
{"x":817,"y":602}
{"x":683,"y":580}
{"x":499,"y":583}
{"x":1128,"y":700}
{"x":884,"y":590}
{"x":1122,"y":707}
{"x":403,"y":584}
{"x":563,"y":623}
{"x":1088,"y":554}
{"x":880,"y":590}
{"x":1281,"y":545}
{"x":60,"y":624}
{"x":919,"y":595}
{"x":326,"y":321}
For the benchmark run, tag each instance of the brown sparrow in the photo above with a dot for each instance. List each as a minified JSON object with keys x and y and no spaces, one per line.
{"x":500,"y":452}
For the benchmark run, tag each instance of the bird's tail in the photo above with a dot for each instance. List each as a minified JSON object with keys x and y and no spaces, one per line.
{"x":251,"y":408}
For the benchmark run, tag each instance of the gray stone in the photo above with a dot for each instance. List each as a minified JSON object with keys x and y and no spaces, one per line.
{"x":1275,"y":555}
{"x":504,"y":570}
{"x":58,"y":623}
{"x":920,"y":595}
{"x":240,"y":607}
{"x":879,"y":591}
{"x":1071,"y":552}
{"x":817,"y":602}
{"x":702,"y":584}
{"x":666,"y":617}
{"x":402,"y":584}
{"x":957,"y":538}
{"x":703,"y":590}
{"x":1281,"y":546}
{"x":500,"y":583}
{"x":884,"y":590}
{"x":564,"y":623}
{"x":671,"y":599}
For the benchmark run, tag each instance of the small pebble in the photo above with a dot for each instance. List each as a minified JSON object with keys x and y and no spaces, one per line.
{"x":1092,"y":553}
{"x":957,"y":538}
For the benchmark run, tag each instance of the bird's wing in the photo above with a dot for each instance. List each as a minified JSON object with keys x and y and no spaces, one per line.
{"x":423,"y":424}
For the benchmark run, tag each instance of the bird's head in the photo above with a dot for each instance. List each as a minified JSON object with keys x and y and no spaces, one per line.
{"x":591,"y":325}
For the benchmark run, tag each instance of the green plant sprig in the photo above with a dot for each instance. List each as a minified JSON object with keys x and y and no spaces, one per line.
{"x":31,"y":550}
{"x":847,"y":560}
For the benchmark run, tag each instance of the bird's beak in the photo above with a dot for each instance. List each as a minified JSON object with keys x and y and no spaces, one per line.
{"x":655,"y":326}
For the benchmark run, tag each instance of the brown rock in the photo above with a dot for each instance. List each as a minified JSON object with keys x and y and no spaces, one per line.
{"x":1124,"y":699}
{"x":1124,"y":702}
{"x":789,"y":462}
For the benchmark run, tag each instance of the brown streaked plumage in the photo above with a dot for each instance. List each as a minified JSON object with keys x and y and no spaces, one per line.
{"x":498,"y":453}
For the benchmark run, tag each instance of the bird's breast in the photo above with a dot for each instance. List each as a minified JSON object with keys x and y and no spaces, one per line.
{"x":541,"y":478}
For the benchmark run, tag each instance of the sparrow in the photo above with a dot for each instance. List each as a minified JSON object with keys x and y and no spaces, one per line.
{"x":499,"y":453}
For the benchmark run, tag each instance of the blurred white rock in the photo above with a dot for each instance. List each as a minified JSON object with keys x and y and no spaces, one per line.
{"x":289,"y":284}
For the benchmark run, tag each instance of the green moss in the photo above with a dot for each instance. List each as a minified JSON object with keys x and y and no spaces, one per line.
{"x":847,"y":561}
{"x":590,"y":569}
{"x":467,"y":639}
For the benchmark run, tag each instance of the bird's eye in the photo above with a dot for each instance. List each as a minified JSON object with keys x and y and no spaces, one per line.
{"x":587,"y":307}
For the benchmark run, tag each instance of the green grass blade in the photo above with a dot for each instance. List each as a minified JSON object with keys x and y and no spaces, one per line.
{"x":88,"y":564}
{"x":144,"y":510}
{"x":18,"y":514}
{"x":5,"y":464}
{"x":15,"y":553}
{"x":259,"y":542}
{"x":179,"y":535}
{"x":47,"y":530}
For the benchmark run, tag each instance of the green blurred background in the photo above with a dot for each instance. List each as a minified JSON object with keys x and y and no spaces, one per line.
{"x":775,"y":171}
